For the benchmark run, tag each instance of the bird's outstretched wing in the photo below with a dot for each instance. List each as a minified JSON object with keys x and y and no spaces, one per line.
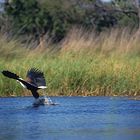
{"x":10,"y":74}
{"x":24,"y":83}
{"x":37,"y":80}
{"x":36,"y":77}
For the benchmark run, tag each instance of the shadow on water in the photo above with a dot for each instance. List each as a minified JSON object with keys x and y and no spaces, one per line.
{"x":99,"y":118}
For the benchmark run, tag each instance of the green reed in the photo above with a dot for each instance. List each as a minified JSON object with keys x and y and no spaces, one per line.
{"x":84,"y":65}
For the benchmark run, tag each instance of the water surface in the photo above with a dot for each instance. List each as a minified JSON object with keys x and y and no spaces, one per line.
{"x":76,"y":118}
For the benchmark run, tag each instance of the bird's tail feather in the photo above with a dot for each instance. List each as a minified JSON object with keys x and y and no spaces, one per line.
{"x":10,"y":74}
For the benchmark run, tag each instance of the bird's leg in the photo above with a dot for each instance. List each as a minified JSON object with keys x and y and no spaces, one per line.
{"x":36,"y":102}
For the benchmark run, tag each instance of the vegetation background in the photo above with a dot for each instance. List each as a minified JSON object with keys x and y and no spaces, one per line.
{"x":84,"y":47}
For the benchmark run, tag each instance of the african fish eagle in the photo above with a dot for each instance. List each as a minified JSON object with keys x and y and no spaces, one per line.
{"x":35,"y":80}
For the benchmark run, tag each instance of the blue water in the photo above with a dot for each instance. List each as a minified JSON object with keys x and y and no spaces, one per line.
{"x":75,"y":118}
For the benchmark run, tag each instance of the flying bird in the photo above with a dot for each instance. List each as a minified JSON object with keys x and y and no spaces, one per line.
{"x":35,"y":80}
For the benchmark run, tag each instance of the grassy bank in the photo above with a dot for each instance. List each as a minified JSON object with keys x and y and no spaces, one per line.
{"x":85,"y":64}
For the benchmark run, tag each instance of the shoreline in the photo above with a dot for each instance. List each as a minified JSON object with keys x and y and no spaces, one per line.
{"x":12,"y":96}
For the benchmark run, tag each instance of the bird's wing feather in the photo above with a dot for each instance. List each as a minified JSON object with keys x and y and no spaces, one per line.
{"x":10,"y":74}
{"x":37,"y":77}
{"x":29,"y":86}
{"x":26,"y":84}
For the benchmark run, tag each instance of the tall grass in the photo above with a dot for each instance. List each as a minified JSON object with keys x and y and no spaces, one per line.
{"x":85,"y":64}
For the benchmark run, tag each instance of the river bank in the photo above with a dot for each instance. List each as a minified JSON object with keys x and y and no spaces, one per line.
{"x":81,"y":65}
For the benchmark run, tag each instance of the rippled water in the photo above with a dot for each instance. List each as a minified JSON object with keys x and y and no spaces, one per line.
{"x":76,"y":118}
